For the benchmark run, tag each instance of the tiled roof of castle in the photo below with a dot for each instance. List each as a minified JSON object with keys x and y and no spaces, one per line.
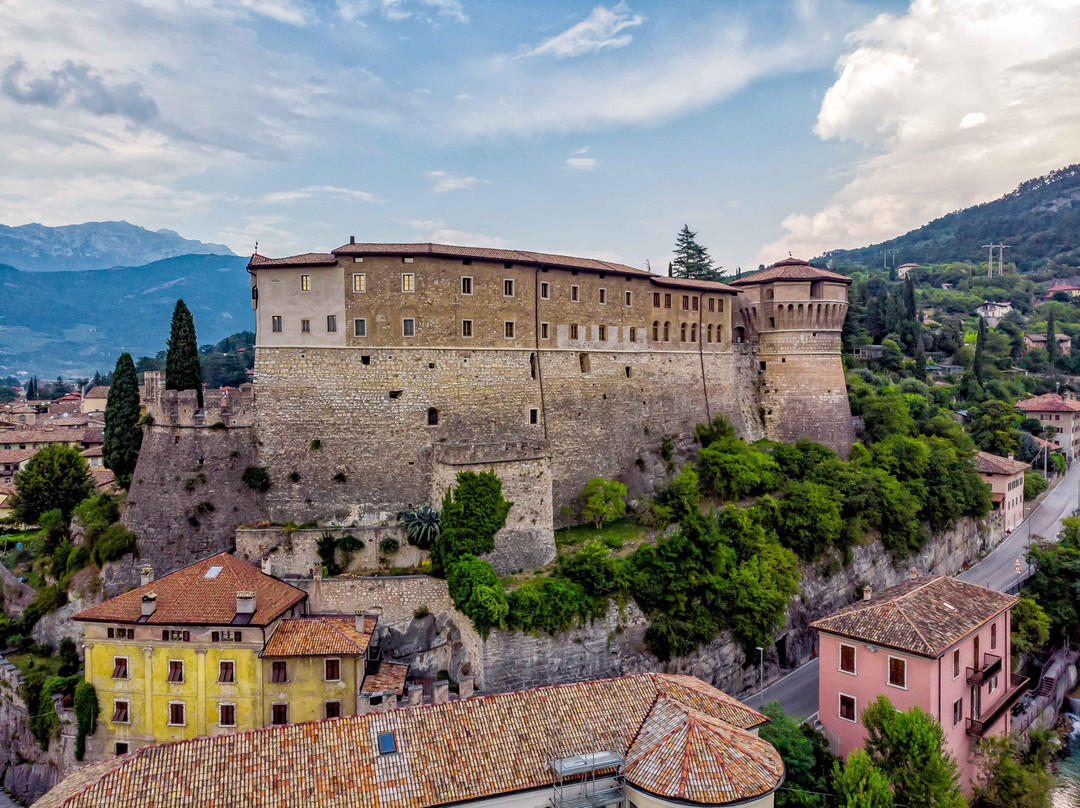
{"x":790,"y":269}
{"x":924,"y":615}
{"x":452,"y":752}
{"x":203,"y":593}
{"x":390,"y":677}
{"x":317,"y":636}
{"x":1047,"y":402}
{"x":987,"y":463}
{"x":304,"y":259}
{"x":690,"y":283}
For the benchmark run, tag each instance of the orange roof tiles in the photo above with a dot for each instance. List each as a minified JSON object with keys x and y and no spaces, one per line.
{"x":304,"y":259}
{"x":790,"y":269}
{"x":197,"y":595}
{"x":925,"y":616}
{"x":1048,"y":402}
{"x":317,"y":636}
{"x":986,"y":463}
{"x":390,"y":677}
{"x":452,"y":752}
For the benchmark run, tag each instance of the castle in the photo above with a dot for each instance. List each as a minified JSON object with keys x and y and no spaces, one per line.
{"x":382,"y":370}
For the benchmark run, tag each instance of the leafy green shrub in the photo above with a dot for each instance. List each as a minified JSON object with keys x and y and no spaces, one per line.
{"x":591,"y":567}
{"x":680,"y":498}
{"x":421,"y":612}
{"x":667,"y":448}
{"x":472,"y":513}
{"x":719,"y":427}
{"x":77,"y":559}
{"x":69,"y":657}
{"x":326,"y":546}
{"x":729,"y":470}
{"x":422,"y":526}
{"x":256,"y":478}
{"x":477,"y":593}
{"x":203,"y":508}
{"x":98,"y":511}
{"x":294,"y":476}
{"x":389,"y":545}
{"x":603,"y":500}
{"x":315,"y":445}
{"x":115,"y":542}
{"x":810,"y":519}
{"x":1034,"y":484}
{"x":189,"y":484}
{"x":86,"y":713}
{"x":57,"y":477}
{"x":193,"y":520}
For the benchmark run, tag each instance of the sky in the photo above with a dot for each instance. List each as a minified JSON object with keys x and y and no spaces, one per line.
{"x":593,"y":129}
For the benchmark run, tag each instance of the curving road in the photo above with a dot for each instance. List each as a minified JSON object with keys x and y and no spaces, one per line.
{"x":797,"y":692}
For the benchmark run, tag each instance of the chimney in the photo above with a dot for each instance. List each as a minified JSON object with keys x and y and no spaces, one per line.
{"x":360,"y":620}
{"x":363,"y":703}
{"x":866,"y":592}
{"x":465,"y":687}
{"x":415,"y":694}
{"x":442,"y":691}
{"x":389,"y":701}
{"x":1010,"y":455}
{"x":146,"y":575}
{"x":149,"y":604}
{"x":914,"y":573}
{"x":267,"y":566}
{"x":245,"y":602}
{"x":352,"y":239}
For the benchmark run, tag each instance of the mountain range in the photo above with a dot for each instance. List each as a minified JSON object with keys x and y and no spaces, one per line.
{"x":94,"y":245}
{"x":1039,"y":221}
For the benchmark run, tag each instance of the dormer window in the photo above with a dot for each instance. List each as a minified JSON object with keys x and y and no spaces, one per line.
{"x":387,"y":743}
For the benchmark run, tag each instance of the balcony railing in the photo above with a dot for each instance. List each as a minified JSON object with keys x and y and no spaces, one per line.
{"x":1018,"y":685}
{"x":991,"y":666}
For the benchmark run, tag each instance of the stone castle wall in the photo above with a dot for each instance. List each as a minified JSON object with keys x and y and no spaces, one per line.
{"x":296,"y":552}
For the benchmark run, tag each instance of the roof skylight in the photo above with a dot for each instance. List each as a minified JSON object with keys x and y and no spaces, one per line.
{"x":213,"y":572}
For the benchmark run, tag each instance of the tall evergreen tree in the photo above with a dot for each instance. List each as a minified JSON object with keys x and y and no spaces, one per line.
{"x":909,"y":298}
{"x":31,"y":389}
{"x":691,"y":259}
{"x":123,"y":435}
{"x":920,"y":362}
{"x":979,"y":365}
{"x":182,"y":371}
{"x":1052,"y":349}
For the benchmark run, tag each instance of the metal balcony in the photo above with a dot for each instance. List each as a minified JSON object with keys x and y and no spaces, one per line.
{"x":991,"y":666}
{"x":1018,"y":685}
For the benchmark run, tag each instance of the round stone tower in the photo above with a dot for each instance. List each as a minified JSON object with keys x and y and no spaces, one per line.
{"x":793,"y":313}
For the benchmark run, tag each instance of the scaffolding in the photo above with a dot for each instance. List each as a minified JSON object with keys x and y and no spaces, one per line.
{"x":574,"y":774}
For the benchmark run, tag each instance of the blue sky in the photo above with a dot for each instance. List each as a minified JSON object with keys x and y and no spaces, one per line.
{"x":588,"y":128}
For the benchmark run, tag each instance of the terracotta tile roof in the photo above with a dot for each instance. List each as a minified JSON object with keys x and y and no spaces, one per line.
{"x":389,"y":677}
{"x":1047,"y":402}
{"x":790,"y":269}
{"x":925,"y":616}
{"x":92,"y":435}
{"x":41,"y":435}
{"x":997,"y":498}
{"x":302,"y":260}
{"x":97,"y":391}
{"x":104,"y":479}
{"x":986,"y":463}
{"x":1062,"y":287}
{"x":317,"y":636}
{"x":447,"y":753}
{"x":16,"y":455}
{"x":197,"y":595}
{"x":93,"y":451}
{"x":691,"y":283}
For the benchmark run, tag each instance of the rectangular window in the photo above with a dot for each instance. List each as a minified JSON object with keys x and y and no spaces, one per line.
{"x":575,"y":293}
{"x":993,"y":684}
{"x":120,"y":669}
{"x":847,"y":707}
{"x":279,"y":714}
{"x":712,"y":305}
{"x":176,"y":670}
{"x":534,"y":416}
{"x":508,"y":287}
{"x":993,"y":636}
{"x":226,"y":671}
{"x":305,"y":283}
{"x":359,"y":327}
{"x":685,"y":302}
{"x":601,"y":333}
{"x":275,"y":323}
{"x":545,"y":290}
{"x":545,"y":331}
{"x":305,"y":326}
{"x":408,"y":282}
{"x":333,"y":670}
{"x":226,"y":715}
{"x":629,"y":298}
{"x":955,"y":663}
{"x":359,"y":283}
{"x":331,"y":323}
{"x":695,"y":305}
{"x":603,"y":297}
{"x":332,"y":709}
{"x":847,"y":658}
{"x":279,"y":672}
{"x":466,"y":328}
{"x":667,"y":301}
{"x":120,"y":748}
{"x":633,"y":334}
{"x":121,"y":712}
{"x":408,"y":327}
{"x":387,"y":743}
{"x":897,"y":672}
{"x":407,"y":260}
{"x":466,"y":285}
{"x":177,"y":714}
{"x":508,"y":329}
{"x":656,"y":300}
{"x":573,"y":331}
{"x":958,"y":711}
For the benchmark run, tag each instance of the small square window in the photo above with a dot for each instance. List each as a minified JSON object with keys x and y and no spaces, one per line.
{"x":508,"y":329}
{"x":279,"y":714}
{"x":466,"y":328}
{"x":177,"y":714}
{"x":508,"y":287}
{"x":279,"y":671}
{"x":333,"y":666}
{"x":120,"y":668}
{"x":305,"y":283}
{"x":305,"y":326}
{"x":387,"y":743}
{"x":407,"y":260}
{"x":545,"y":331}
{"x":360,"y":327}
{"x":466,"y":285}
{"x":847,"y":707}
{"x":275,"y":324}
{"x":545,"y":290}
{"x":357,"y":259}
{"x":408,"y":327}
{"x":121,"y":712}
{"x":408,"y":282}
{"x":226,"y":715}
{"x":331,"y":323}
{"x":176,"y":670}
{"x":226,"y":671}
{"x":359,"y":283}
{"x":603,"y":297}
{"x":575,"y":293}
{"x":120,"y":748}
{"x":573,"y":331}
{"x":332,"y":709}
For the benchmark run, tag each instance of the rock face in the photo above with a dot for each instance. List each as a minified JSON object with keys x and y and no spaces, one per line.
{"x":16,"y":594}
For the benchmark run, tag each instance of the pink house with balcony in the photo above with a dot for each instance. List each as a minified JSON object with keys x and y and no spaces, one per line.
{"x":937,"y":643}
{"x":1006,"y":479}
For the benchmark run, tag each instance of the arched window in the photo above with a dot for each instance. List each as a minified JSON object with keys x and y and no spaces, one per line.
{"x":682,"y":333}
{"x":710,"y":332}
{"x":633,"y":334}
{"x":656,"y":331}
{"x":432,"y":416}
{"x":693,"y":332}
{"x":667,"y":330}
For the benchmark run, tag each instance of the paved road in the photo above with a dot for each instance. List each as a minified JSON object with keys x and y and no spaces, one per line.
{"x":797,"y":692}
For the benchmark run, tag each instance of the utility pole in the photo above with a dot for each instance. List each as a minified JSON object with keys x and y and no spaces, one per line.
{"x":990,"y":260}
{"x":1001,"y":258}
{"x":761,"y":669}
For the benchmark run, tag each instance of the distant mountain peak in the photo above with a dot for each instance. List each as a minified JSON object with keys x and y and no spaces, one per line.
{"x":94,"y":245}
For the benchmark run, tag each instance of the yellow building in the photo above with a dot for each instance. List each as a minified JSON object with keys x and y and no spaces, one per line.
{"x":216,"y":647}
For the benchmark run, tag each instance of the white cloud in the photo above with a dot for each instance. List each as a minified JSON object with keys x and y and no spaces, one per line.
{"x":444,"y":182}
{"x":438,"y":232}
{"x":317,"y":192}
{"x":397,"y":10}
{"x":897,"y":92}
{"x":581,"y":163}
{"x":601,"y":30}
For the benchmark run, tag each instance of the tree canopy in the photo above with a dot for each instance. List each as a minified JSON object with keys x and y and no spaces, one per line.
{"x":56,"y":478}
{"x":692,"y":260}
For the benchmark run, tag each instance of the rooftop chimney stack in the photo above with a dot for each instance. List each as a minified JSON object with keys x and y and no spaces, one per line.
{"x":442,"y":691}
{"x":360,"y":615}
{"x":352,"y":239}
{"x":267,"y":566}
{"x":149,"y":604}
{"x":415,"y":694}
{"x":245,"y":602}
{"x":866,"y":592}
{"x":146,"y":575}
{"x":465,"y":687}
{"x":914,"y":573}
{"x":363,"y":703}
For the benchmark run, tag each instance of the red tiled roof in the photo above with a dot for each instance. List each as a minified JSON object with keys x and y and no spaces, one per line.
{"x":188,"y":596}
{"x":925,"y":616}
{"x":104,"y":479}
{"x":93,"y":451}
{"x":790,"y":269}
{"x":986,"y":463}
{"x":1047,"y":402}
{"x":997,"y":498}
{"x":453,"y":752}
{"x":390,"y":677}
{"x":317,"y":636}
{"x":98,"y":391}
{"x":41,"y":435}
{"x":302,"y":260}
{"x":1062,"y":287}
{"x":691,"y":283}
{"x":16,"y":455}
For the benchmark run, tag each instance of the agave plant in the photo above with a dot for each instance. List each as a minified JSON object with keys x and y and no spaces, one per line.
{"x":422,"y":526}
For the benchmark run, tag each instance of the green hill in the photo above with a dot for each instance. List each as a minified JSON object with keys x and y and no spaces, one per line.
{"x":1040,"y":221}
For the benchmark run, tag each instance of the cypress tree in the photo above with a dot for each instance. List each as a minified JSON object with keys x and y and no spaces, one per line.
{"x":909,"y":298}
{"x":123,"y":435}
{"x":182,"y":371}
{"x":920,"y":362}
{"x":1051,"y":340}
{"x":979,"y":365}
{"x":31,"y":389}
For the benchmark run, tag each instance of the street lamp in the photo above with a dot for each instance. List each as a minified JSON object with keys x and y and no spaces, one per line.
{"x":761,"y":669}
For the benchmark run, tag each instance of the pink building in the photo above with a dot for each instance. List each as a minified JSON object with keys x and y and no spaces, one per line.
{"x":937,"y":643}
{"x":1006,"y":478}
{"x":1059,"y":413}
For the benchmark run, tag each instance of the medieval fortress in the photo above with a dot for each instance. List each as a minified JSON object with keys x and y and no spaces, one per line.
{"x":382,"y":370}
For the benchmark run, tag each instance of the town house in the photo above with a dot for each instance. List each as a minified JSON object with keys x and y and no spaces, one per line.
{"x":1058,"y":413}
{"x":1006,"y":479}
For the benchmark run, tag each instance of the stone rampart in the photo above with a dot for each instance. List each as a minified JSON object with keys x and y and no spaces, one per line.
{"x":295,"y":552}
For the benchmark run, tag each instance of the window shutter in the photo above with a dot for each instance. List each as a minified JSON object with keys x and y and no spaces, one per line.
{"x":214,"y":636}
{"x":165,"y":634}
{"x":131,"y":634}
{"x":187,"y":636}
{"x":236,"y":635}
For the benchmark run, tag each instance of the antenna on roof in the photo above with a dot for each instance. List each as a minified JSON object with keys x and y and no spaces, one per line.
{"x":256,"y":247}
